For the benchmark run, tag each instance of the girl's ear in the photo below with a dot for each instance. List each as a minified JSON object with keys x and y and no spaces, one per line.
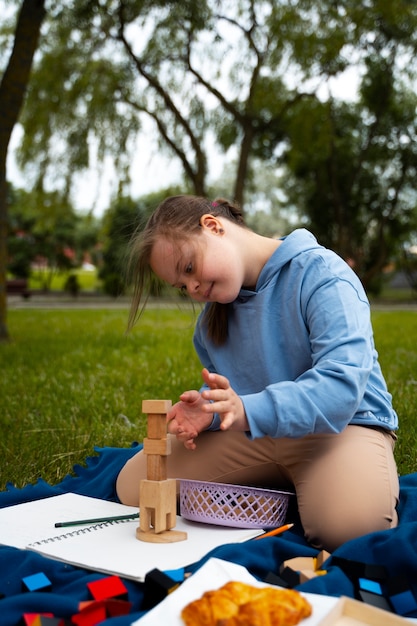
{"x":212,"y":223}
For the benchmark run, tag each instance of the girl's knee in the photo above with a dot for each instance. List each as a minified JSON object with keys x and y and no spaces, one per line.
{"x":330,"y":531}
{"x":128,"y":480}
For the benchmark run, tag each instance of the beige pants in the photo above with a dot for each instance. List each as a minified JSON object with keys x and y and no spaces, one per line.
{"x":346,"y":485}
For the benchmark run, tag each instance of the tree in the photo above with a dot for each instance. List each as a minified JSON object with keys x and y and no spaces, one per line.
{"x":120,"y":222}
{"x":44,"y":229}
{"x":354,"y":165}
{"x":165,"y":61}
{"x":253,"y":76}
{"x":13,"y":87}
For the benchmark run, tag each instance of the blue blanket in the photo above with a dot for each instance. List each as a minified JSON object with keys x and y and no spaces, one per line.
{"x":395,"y":549}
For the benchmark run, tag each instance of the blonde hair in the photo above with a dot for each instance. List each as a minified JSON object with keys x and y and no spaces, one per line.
{"x":176,"y":219}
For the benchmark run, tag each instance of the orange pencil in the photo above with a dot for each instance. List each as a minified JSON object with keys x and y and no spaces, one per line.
{"x":276,"y":531}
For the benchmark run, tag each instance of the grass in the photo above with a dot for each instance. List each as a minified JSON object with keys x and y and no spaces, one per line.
{"x":71,"y":380}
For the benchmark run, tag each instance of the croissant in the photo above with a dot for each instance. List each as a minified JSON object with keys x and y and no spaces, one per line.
{"x":239,"y":604}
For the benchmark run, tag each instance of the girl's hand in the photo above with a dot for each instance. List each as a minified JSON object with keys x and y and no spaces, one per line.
{"x":189,"y":417}
{"x":224,"y":401}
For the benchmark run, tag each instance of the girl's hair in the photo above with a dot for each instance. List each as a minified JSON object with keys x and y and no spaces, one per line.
{"x":177,"y":219}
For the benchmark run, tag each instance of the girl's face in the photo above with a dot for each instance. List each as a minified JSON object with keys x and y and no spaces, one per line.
{"x":207,"y":266}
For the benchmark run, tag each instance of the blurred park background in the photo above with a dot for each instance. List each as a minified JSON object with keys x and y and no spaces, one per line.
{"x":302,"y":112}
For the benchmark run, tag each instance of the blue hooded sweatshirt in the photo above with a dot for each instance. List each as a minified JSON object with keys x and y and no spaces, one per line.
{"x":300,"y":350}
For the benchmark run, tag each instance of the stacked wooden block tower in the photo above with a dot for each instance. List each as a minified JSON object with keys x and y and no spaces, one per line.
{"x":158,"y":496}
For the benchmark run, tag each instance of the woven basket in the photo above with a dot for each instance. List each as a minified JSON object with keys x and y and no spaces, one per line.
{"x":232,"y":505}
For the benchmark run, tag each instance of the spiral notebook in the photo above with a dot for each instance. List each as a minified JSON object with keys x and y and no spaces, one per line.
{"x":112,"y":547}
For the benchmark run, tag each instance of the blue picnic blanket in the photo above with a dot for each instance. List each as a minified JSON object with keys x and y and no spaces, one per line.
{"x":395,"y":549}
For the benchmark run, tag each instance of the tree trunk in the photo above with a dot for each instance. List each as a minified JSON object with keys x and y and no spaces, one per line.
{"x":12,"y":91}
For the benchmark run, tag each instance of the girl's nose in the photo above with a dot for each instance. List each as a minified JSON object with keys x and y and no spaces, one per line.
{"x":193,"y":286}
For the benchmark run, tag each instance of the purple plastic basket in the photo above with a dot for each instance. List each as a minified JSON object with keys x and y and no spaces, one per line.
{"x":232,"y":505}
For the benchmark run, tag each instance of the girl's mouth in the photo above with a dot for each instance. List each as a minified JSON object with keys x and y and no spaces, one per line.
{"x":208,"y":292}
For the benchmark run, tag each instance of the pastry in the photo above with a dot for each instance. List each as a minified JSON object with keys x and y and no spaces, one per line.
{"x":240,"y":604}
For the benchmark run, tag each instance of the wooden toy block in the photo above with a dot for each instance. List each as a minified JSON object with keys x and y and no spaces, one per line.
{"x":290,"y":577}
{"x":157,"y":494}
{"x":158,"y":512}
{"x":157,"y":446}
{"x":118,"y":607}
{"x":300,"y":569}
{"x":33,"y":619}
{"x":321,"y":558}
{"x":90,"y":613}
{"x":156,"y":467}
{"x":157,"y":427}
{"x":110,"y":587}
{"x":300,"y":563}
{"x":374,"y":599}
{"x":356,"y":569}
{"x":36,"y":582}
{"x":157,"y":586}
{"x":306,"y":575}
{"x":273,"y":579}
{"x":162,"y":516}
{"x":156,"y":407}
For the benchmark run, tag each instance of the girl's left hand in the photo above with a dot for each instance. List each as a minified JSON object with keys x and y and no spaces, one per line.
{"x":224,"y":401}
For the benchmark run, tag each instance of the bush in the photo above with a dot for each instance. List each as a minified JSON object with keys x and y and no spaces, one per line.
{"x":113,"y":285}
{"x":72,"y":285}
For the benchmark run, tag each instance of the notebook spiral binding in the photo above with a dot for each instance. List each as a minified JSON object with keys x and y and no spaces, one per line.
{"x":80,"y":531}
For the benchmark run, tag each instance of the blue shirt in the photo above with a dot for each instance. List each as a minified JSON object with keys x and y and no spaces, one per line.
{"x":300,"y":350}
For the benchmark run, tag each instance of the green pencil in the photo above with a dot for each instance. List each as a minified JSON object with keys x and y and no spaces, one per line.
{"x":97,"y":520}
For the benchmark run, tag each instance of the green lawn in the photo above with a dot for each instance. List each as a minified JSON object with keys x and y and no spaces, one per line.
{"x":72,"y":379}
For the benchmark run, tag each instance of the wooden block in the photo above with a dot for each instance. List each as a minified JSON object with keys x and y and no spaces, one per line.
{"x":306,"y":574}
{"x":117,"y":607}
{"x":321,"y":558}
{"x":159,"y":499}
{"x":157,"y":426}
{"x":158,"y":585}
{"x":36,"y":582}
{"x":351,"y":612}
{"x":156,"y":406}
{"x":289,"y":576}
{"x":33,"y":619}
{"x":156,"y":467}
{"x":110,"y":587}
{"x":157,"y":446}
{"x":300,"y":563}
{"x":90,"y":613}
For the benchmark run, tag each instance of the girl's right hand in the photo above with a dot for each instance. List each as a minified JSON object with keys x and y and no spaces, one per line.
{"x":187,"y":419}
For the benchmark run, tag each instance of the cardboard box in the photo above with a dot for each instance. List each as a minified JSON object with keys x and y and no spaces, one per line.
{"x":348,"y":612}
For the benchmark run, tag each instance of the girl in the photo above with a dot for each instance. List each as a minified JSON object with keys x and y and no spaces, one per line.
{"x":293,"y":396}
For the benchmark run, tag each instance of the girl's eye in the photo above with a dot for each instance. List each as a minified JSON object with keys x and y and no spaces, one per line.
{"x":183,"y":288}
{"x":189,"y":268}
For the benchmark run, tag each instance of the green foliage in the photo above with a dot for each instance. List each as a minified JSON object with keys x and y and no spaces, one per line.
{"x":354,"y":177}
{"x":259,"y":78}
{"x":45,"y":230}
{"x":72,"y":286}
{"x":120,"y":222}
{"x":72,"y":380}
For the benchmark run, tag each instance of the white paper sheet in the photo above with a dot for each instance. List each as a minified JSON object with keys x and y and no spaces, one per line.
{"x":213,"y":575}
